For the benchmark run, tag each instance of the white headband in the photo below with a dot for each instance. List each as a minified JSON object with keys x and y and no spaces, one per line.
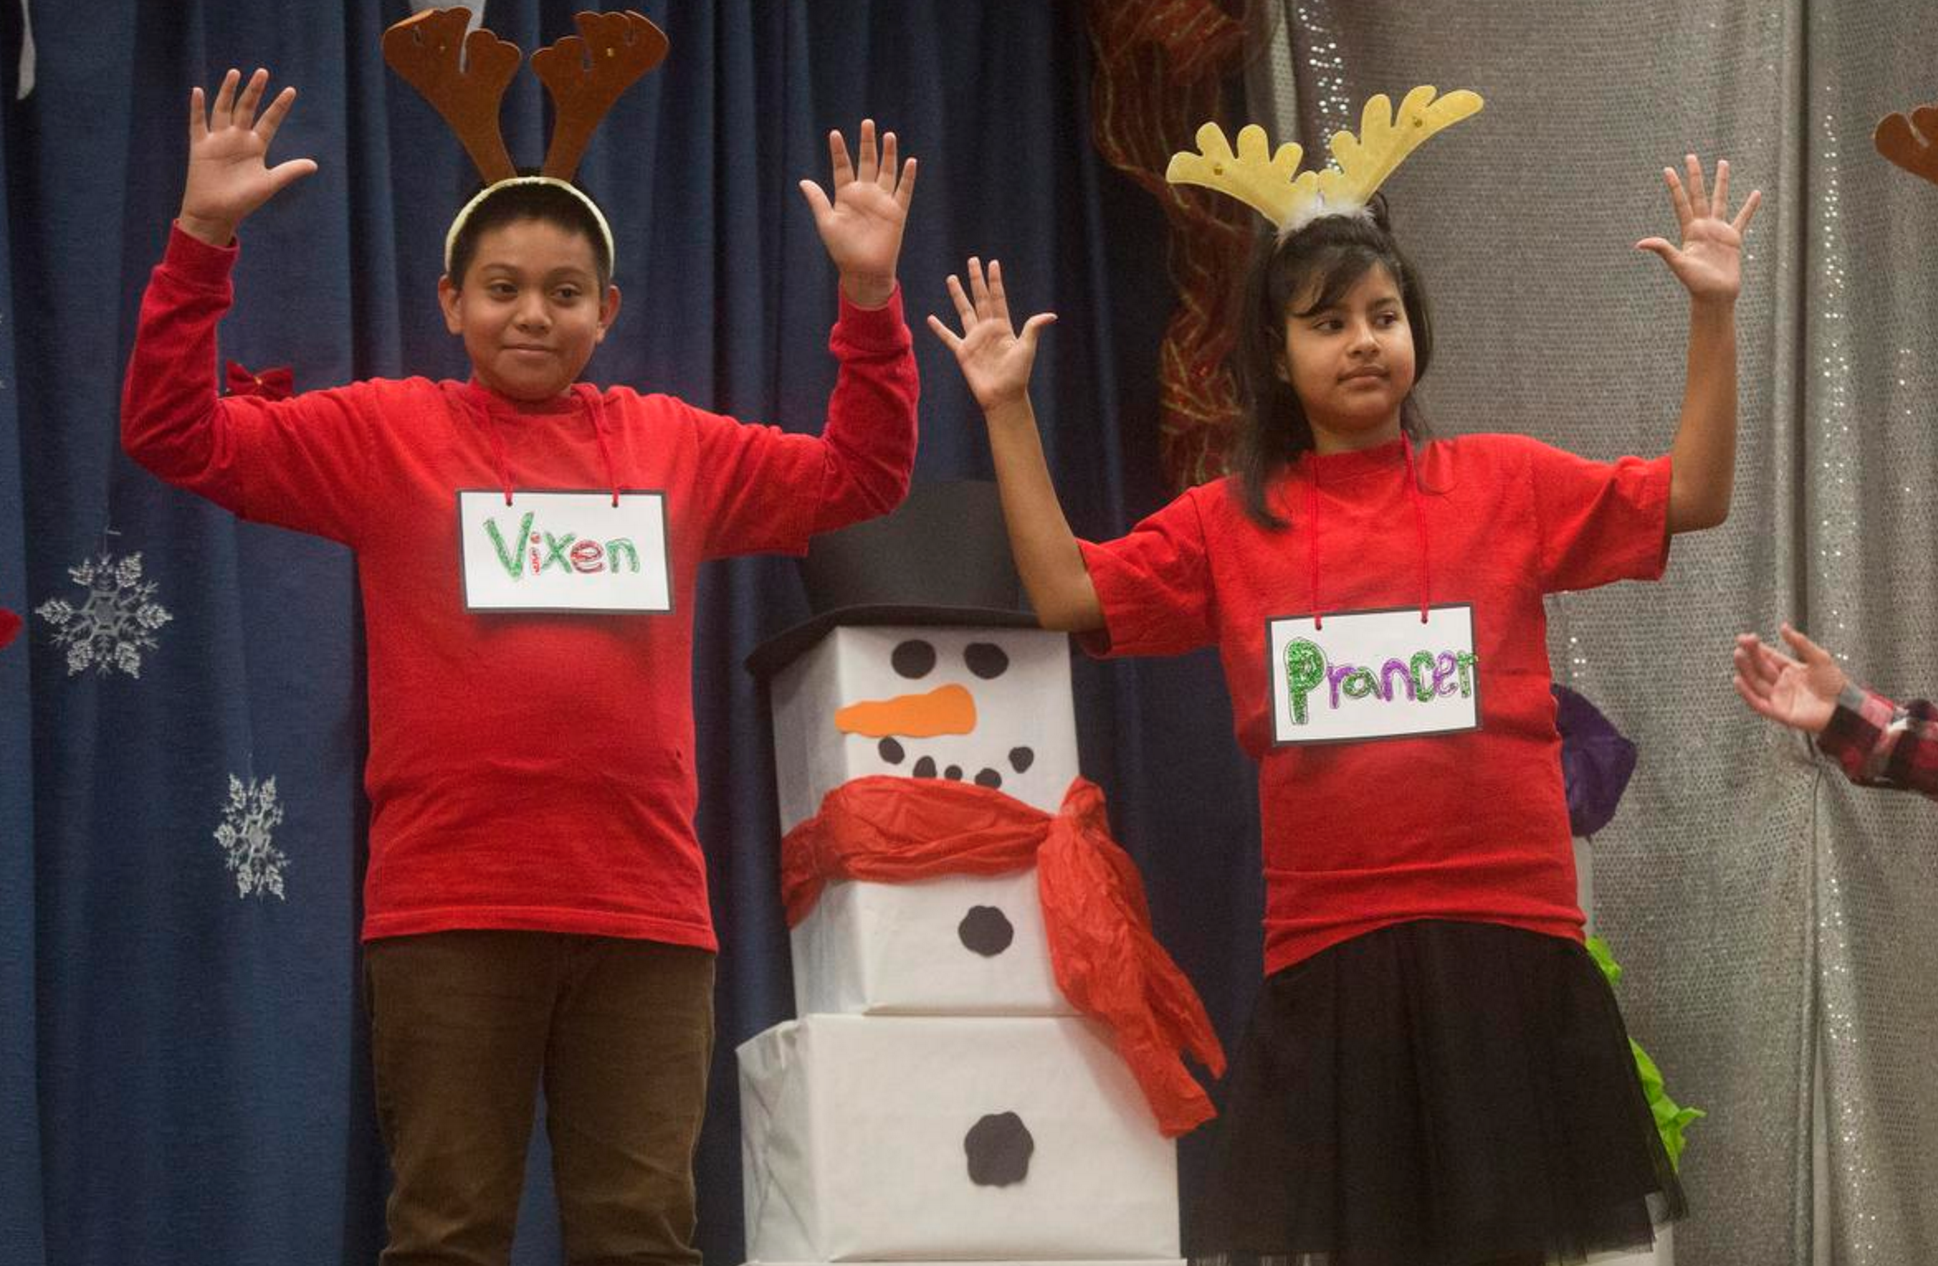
{"x":457,"y":225}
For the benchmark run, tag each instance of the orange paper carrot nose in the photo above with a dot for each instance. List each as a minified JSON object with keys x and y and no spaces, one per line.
{"x":944,"y":710}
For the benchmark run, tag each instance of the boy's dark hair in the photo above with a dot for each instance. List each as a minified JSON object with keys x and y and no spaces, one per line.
{"x":1333,"y":253}
{"x":546,"y":203}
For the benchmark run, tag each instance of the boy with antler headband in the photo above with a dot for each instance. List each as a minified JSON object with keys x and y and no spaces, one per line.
{"x":536,"y":905}
{"x":1876,"y":742}
{"x":1435,"y":1070}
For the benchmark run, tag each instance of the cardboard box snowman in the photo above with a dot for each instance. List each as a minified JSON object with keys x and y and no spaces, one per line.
{"x":939,"y":1098}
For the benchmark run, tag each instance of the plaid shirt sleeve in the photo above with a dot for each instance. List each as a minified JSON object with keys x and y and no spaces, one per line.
{"x":1879,"y":744}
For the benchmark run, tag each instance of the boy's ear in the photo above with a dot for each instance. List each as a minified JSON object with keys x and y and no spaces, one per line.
{"x":447,"y":298}
{"x":608,"y":312}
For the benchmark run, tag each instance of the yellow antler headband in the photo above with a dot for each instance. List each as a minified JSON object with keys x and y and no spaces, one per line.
{"x":1273,"y":185}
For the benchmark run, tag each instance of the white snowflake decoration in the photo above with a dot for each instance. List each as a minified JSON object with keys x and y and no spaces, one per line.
{"x":252,"y":816}
{"x":115,"y":624}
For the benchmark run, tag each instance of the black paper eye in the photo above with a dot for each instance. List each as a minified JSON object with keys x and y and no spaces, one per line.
{"x":914,"y":658}
{"x":986,"y":659}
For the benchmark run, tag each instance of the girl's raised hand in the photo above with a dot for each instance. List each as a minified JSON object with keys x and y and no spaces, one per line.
{"x":1708,"y":263}
{"x":227,"y":177}
{"x":1800,"y":693}
{"x":995,"y":360}
{"x":861,"y":225}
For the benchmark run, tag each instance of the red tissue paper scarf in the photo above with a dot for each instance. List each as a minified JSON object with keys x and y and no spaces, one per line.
{"x":1110,"y":967}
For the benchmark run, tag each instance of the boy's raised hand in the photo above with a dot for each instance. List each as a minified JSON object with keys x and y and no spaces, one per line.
{"x":862,"y":225}
{"x":1800,"y":693}
{"x":1709,"y":261}
{"x":227,"y":177}
{"x":995,"y":360}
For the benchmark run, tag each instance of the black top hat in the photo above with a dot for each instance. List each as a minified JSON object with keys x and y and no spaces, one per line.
{"x":941,"y":558}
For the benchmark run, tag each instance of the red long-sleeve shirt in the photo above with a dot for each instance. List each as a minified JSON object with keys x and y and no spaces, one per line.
{"x":526,"y":770}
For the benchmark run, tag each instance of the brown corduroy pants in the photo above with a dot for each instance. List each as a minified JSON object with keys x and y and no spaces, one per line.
{"x":465,"y":1026}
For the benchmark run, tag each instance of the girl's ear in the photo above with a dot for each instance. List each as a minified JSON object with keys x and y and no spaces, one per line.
{"x":1279,"y":368}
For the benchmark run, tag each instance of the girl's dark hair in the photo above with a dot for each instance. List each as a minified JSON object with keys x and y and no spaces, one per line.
{"x":1332,"y":253}
{"x":546,"y":203}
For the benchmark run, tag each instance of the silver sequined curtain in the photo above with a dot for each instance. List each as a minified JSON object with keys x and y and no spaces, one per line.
{"x":1779,"y":927}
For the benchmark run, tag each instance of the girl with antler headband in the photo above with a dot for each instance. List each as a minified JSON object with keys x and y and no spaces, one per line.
{"x":535,"y":908}
{"x":1435,"y":1071}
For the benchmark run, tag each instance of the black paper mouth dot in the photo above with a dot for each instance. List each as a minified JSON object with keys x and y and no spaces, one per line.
{"x":953,"y":773}
{"x":913,"y":658}
{"x":924,"y":768}
{"x":986,"y":659}
{"x":989,"y":778}
{"x":891,"y":751}
{"x":999,"y":1148}
{"x":985,"y":930}
{"x":1021,"y":758}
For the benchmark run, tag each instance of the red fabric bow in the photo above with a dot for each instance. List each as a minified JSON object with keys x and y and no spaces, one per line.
{"x":277,"y":383}
{"x":1106,"y":960}
{"x":9,"y":626}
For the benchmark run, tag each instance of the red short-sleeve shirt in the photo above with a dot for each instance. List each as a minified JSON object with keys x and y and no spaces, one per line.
{"x":1358,"y":835}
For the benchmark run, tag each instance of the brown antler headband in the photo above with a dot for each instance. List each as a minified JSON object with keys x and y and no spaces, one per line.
{"x":1911,"y":143}
{"x":465,"y":77}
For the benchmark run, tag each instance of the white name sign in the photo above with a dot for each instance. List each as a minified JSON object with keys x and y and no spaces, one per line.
{"x":564,"y":551}
{"x":1373,"y":674}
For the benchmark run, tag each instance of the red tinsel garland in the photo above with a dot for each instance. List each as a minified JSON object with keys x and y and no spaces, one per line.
{"x":1161,"y":67}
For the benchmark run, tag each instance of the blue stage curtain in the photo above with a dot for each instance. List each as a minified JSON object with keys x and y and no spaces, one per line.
{"x":183,"y":1065}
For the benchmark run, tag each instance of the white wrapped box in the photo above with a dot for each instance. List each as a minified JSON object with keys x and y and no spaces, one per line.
{"x":859,"y":1136}
{"x":1017,"y":683}
{"x":956,"y":945}
{"x":882,"y":948}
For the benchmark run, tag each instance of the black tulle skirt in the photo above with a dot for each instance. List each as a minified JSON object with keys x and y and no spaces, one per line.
{"x":1434,"y":1094}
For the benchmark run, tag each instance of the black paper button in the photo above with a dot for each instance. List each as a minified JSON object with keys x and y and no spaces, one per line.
{"x":999,"y":1148}
{"x":986,"y":930}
